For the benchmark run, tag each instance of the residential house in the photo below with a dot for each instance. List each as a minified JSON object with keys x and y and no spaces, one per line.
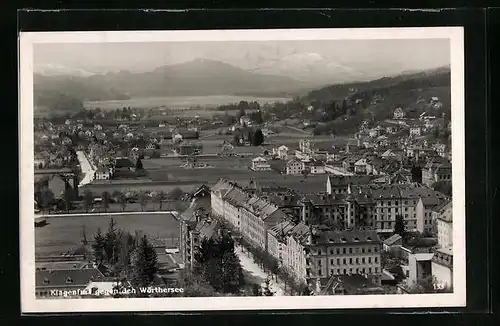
{"x":64,"y":283}
{"x":185,"y":148}
{"x":392,"y":153}
{"x":392,"y":242}
{"x":415,"y":131}
{"x":336,"y":168}
{"x":375,"y":132}
{"x":246,"y":121}
{"x":441,"y":149}
{"x":444,"y":222}
{"x":339,"y":184}
{"x":260,"y":164}
{"x":436,"y":172}
{"x":124,"y":164}
{"x":282,"y":152}
{"x":103,"y":173}
{"x":188,"y":134}
{"x":399,"y":113}
{"x":40,"y":162}
{"x":365,"y":166}
{"x":294,"y":167}
{"x":317,"y":167}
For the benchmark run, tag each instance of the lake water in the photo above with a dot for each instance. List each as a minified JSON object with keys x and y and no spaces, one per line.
{"x":64,"y":233}
{"x":180,"y":101}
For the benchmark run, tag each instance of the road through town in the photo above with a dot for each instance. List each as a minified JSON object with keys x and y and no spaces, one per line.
{"x":87,"y":168}
{"x":250,"y":266}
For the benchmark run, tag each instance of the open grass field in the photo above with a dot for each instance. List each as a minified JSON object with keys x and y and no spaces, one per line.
{"x":65,"y":233}
{"x":193,"y":181}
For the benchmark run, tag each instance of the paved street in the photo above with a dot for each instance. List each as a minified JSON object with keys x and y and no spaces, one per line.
{"x":87,"y":168}
{"x":250,"y":266}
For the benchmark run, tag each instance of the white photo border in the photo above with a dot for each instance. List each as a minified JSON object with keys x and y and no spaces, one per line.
{"x":29,"y":303}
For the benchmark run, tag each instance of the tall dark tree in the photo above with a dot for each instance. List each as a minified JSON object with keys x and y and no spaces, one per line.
{"x":143,"y":200}
{"x":267,"y":289}
{"x":99,"y":247}
{"x":112,"y":243}
{"x":176,"y":194}
{"x":122,"y":200}
{"x":258,"y":138}
{"x":231,"y":272}
{"x":145,"y":263}
{"x":218,"y":264}
{"x":399,"y":226}
{"x":88,"y":200}
{"x":46,"y":198}
{"x":161,"y":196}
{"x":138,"y":164}
{"x":84,"y":235}
{"x":68,"y":198}
{"x":106,"y":198}
{"x":256,"y":290}
{"x":250,"y":137}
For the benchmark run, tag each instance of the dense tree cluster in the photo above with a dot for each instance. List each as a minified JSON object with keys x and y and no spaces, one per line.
{"x":126,"y":255}
{"x":218,"y":264}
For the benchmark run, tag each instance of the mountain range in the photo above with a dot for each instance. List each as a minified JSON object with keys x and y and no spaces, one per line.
{"x":199,"y":77}
{"x":194,"y":78}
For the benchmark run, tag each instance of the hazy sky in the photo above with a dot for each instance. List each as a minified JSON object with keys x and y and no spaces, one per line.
{"x":410,"y":54}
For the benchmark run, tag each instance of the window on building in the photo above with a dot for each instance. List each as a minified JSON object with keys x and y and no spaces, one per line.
{"x":338,"y":251}
{"x":363,"y":250}
{"x":338,"y":261}
{"x":350,"y":270}
{"x":376,"y":269}
{"x":363,"y":260}
{"x":350,"y":260}
{"x":344,"y":250}
{"x":344,"y":261}
{"x":331,"y":251}
{"x":344,"y":271}
{"x":376,"y":259}
{"x":331,"y":261}
{"x":350,"y":250}
{"x":319,"y":272}
{"x":369,"y":260}
{"x":369,"y":249}
{"x":369,"y":270}
{"x":357,"y":260}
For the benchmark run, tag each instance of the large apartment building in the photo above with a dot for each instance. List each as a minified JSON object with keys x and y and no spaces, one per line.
{"x":377,"y":205}
{"x":314,"y":255}
{"x":248,"y":212}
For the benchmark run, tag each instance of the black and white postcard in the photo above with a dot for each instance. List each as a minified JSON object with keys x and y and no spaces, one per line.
{"x":242,"y":169}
